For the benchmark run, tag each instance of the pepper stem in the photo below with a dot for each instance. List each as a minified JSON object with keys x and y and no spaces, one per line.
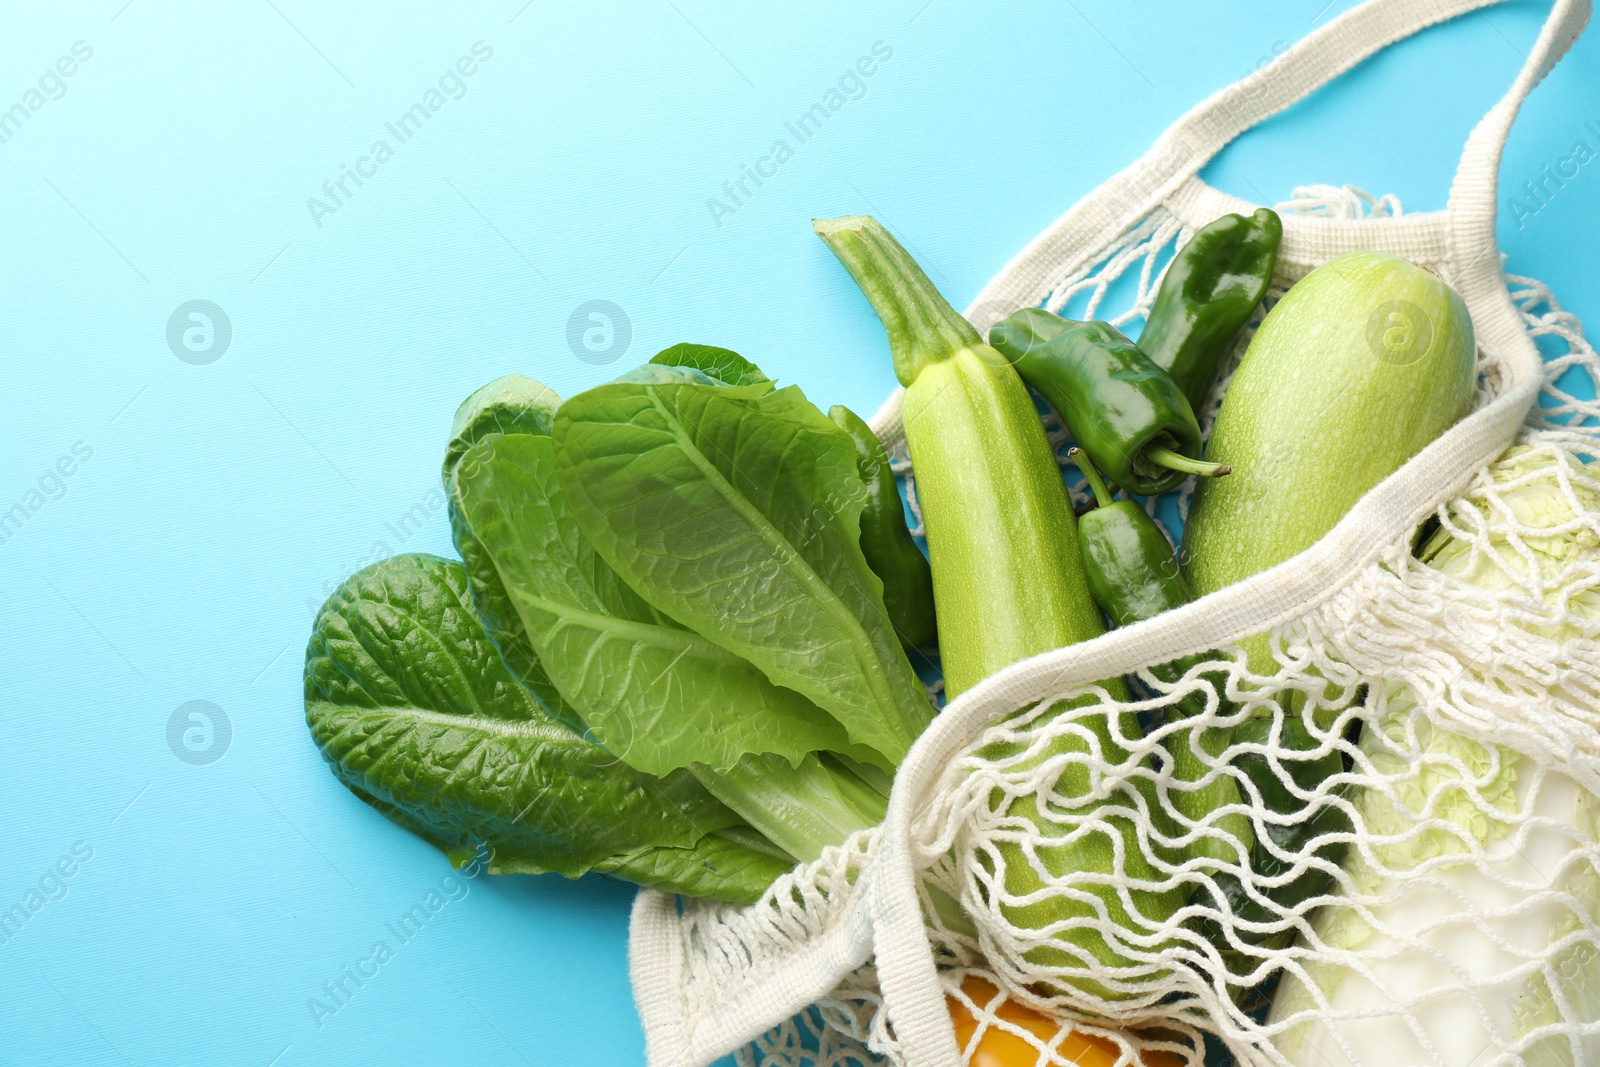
{"x":922,"y":326}
{"x":1097,"y":485}
{"x":1166,"y":457}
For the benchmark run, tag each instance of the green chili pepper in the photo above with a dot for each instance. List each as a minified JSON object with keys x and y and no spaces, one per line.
{"x":1134,"y":575}
{"x":1292,"y":838}
{"x":1121,"y":408}
{"x":891,"y":551}
{"x":1210,"y":288}
{"x":1133,"y":572}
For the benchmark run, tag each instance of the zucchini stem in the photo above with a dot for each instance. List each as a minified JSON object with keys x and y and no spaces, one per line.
{"x":1097,"y":485}
{"x":1162,"y":456}
{"x":922,"y":327}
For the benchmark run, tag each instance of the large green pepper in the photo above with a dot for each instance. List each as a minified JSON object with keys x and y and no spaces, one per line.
{"x":1121,"y":408}
{"x":1134,"y":575}
{"x":891,"y":551}
{"x":1210,"y":288}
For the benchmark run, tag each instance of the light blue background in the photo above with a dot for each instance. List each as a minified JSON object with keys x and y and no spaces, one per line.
{"x":185,"y":559}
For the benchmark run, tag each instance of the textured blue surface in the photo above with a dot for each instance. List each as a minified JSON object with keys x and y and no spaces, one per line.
{"x":185,"y":516}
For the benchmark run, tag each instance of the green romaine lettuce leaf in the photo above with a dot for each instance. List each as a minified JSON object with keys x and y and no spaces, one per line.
{"x":409,"y":702}
{"x":725,"y":366}
{"x":655,"y":374}
{"x":736,"y":511}
{"x":512,"y":404}
{"x":731,"y":857}
{"x":659,"y":696}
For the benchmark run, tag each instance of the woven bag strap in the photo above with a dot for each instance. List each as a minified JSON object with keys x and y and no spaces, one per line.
{"x":1474,"y":253}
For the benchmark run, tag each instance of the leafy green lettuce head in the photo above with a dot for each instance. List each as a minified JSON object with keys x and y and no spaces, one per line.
{"x":1532,"y":537}
{"x":1537,"y":532}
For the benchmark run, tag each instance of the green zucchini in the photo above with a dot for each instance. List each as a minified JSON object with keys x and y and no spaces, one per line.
{"x":1009,"y":584}
{"x":1362,"y":364}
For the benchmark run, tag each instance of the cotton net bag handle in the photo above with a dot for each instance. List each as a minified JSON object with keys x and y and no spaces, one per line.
{"x":913,"y":996}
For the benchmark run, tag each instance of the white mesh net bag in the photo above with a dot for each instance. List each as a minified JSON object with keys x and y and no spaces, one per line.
{"x":1457,"y":919}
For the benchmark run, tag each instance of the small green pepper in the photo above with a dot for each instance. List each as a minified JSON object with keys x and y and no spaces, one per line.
{"x":1292,"y":838}
{"x":885,"y":540}
{"x":1134,"y":575}
{"x":1210,"y":288}
{"x":1121,"y":408}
